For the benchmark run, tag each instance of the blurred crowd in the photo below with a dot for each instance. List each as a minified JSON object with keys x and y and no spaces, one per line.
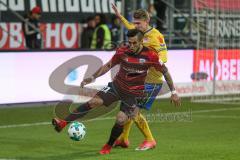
{"x":157,"y":10}
{"x":99,"y":31}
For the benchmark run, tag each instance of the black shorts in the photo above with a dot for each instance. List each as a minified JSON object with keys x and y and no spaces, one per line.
{"x":129,"y":103}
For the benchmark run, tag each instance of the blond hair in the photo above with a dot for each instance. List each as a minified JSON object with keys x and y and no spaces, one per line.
{"x":141,"y":14}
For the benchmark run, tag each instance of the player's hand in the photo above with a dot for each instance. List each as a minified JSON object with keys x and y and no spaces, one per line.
{"x":86,"y":81}
{"x":175,"y":100}
{"x":117,"y":13}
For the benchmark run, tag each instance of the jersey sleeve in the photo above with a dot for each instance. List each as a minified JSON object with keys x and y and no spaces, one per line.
{"x":162,"y":50}
{"x":126,"y":23}
{"x":115,"y":60}
{"x":116,"y":57}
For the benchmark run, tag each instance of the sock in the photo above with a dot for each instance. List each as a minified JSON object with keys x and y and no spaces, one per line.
{"x":79,"y":112}
{"x":115,"y":133}
{"x":126,"y":129}
{"x":142,"y":125}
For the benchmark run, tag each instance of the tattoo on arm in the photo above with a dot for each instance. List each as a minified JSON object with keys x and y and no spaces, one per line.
{"x":168,"y":78}
{"x":102,"y":70}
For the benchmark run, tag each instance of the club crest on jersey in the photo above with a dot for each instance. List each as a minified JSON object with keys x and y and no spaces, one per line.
{"x":141,"y":60}
{"x":145,"y":40}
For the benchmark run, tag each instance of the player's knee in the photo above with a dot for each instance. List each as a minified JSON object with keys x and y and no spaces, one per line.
{"x":135,"y":113}
{"x":121,"y":118}
{"x":95,"y":102}
{"x":120,"y":121}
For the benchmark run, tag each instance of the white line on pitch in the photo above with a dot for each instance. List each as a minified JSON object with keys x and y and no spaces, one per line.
{"x":216,"y":116}
{"x":25,"y":125}
{"x":47,"y":123}
{"x":216,"y":110}
{"x":106,"y":118}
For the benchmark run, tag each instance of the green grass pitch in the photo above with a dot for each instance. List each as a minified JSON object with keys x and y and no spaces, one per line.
{"x":195,"y":131}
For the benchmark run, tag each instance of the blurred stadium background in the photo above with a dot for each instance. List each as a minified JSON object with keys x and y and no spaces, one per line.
{"x":203,"y":40}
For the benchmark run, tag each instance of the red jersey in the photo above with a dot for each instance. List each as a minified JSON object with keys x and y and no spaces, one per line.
{"x":133,"y":70}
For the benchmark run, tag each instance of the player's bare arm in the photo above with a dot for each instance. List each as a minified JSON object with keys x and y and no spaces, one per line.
{"x":174,"y":97}
{"x":101,"y":71}
{"x":121,"y":18}
{"x":117,"y":13}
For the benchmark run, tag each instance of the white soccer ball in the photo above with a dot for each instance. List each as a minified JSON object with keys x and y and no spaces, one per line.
{"x":76,"y":131}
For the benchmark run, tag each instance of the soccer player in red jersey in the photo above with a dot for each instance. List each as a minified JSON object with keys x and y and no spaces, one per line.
{"x":127,"y":86}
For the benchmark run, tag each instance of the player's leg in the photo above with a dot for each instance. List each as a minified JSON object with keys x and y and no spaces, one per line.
{"x":142,"y":124}
{"x":117,"y":129}
{"x":152,"y":91}
{"x":104,"y":97}
{"x":122,"y":140}
{"x":83,"y":109}
{"x":79,"y":112}
{"x":128,"y":110}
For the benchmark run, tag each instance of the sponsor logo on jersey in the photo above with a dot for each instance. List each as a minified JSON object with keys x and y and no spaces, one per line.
{"x":163,"y":45}
{"x":133,"y":70}
{"x":145,"y":40}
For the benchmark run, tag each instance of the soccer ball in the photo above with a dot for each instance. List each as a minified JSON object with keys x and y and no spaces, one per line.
{"x":76,"y":131}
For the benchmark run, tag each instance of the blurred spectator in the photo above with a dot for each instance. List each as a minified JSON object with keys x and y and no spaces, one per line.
{"x":31,"y":28}
{"x":160,"y":7}
{"x":147,"y":5}
{"x":87,"y":34}
{"x":115,"y":29}
{"x":102,"y":35}
{"x":155,"y":8}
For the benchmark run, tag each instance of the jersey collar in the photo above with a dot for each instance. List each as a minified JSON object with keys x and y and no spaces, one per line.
{"x":148,"y":30}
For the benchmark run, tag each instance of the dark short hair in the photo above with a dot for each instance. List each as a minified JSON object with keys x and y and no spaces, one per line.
{"x":103,"y":19}
{"x":90,"y":18}
{"x":135,"y":32}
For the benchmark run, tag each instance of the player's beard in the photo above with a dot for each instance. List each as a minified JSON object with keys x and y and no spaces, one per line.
{"x":138,"y":50}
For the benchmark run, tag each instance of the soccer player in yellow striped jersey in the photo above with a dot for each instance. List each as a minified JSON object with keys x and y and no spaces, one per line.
{"x":153,"y":83}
